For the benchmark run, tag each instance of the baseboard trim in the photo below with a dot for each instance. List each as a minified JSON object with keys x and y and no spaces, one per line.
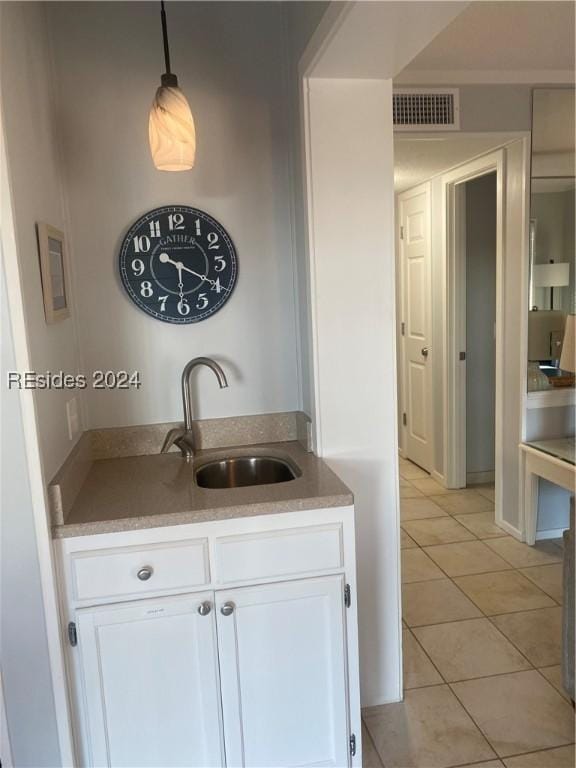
{"x":380,"y":702}
{"x":516,"y":532}
{"x":479,"y":478}
{"x":438,"y":477}
{"x":551,"y":533}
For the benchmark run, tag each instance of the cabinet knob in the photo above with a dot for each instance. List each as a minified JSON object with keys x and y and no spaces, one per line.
{"x":227,"y":609}
{"x":145,"y":573}
{"x":424,"y":351}
{"x":205,"y":608}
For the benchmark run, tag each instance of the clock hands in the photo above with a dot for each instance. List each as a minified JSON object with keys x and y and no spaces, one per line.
{"x":179,"y":267}
{"x":165,"y":259}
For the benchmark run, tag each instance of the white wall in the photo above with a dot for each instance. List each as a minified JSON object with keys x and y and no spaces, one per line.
{"x":301,"y":20}
{"x":38,"y":195}
{"x":229,"y":58}
{"x":480,"y":321}
{"x":25,"y":671}
{"x":514,"y":323}
{"x":347,"y":89}
{"x":487,"y":108}
{"x":353,"y":315}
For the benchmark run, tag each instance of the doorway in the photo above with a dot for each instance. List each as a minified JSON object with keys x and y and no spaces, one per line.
{"x":479,"y":267}
{"x":470,"y":408}
{"x":452,"y":329}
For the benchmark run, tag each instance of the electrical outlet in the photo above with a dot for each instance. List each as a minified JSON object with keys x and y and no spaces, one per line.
{"x":73,"y":417}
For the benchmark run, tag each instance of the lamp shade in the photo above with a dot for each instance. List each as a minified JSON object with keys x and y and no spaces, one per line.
{"x":171,"y":131}
{"x":551,"y":275}
{"x":567,"y":358}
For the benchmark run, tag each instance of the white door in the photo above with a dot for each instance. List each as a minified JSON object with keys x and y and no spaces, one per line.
{"x":283,"y":674}
{"x":150,"y":683}
{"x":414,"y":210}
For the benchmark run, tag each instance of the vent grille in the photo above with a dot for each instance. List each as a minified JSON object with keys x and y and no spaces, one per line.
{"x":415,"y":110}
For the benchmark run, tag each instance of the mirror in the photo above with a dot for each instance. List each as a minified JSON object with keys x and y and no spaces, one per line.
{"x":552,"y":244}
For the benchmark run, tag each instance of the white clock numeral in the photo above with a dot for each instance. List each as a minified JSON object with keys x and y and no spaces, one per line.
{"x":202,"y":302}
{"x":162,"y":300}
{"x":216,"y":285}
{"x":137,"y":267}
{"x":141,"y":244}
{"x":197,"y":227}
{"x":212,"y":240}
{"x":220,"y":265}
{"x":176,"y":221}
{"x":183,"y":307}
{"x":155,"y":229}
{"x":146,"y":289}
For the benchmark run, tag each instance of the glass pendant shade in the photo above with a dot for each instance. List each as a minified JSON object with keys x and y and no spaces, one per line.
{"x":171,"y":130}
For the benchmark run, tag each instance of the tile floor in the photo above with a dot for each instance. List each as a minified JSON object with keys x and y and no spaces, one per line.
{"x":481,"y":642}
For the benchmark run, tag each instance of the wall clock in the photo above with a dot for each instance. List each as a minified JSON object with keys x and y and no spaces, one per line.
{"x":178,"y":264}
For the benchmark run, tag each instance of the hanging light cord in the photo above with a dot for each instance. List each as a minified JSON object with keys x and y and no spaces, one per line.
{"x":165,"y":37}
{"x":168,"y":78}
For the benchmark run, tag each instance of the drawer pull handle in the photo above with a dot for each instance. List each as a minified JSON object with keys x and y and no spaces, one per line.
{"x":205,"y":608}
{"x":145,"y":573}
{"x":227,"y":609}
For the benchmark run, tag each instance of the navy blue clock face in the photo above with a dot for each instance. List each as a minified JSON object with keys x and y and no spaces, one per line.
{"x":178,"y":264}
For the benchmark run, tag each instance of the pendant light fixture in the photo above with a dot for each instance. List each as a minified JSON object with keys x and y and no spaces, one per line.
{"x":171,"y":125}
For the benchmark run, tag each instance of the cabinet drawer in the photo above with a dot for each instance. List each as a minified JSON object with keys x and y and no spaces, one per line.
{"x":278,"y":553}
{"x":110,"y":573}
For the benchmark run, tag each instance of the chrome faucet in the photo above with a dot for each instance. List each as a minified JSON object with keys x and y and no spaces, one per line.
{"x":183,"y":437}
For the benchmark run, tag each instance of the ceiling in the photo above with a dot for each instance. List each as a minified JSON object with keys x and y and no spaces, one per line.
{"x":500,"y":42}
{"x":417,"y":159}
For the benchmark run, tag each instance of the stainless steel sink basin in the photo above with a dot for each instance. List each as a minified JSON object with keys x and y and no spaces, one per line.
{"x":245,"y":470}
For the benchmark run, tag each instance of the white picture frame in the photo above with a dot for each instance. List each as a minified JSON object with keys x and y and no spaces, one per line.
{"x":54,"y":272}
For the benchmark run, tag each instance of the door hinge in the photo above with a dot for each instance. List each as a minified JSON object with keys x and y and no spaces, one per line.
{"x":404,"y":419}
{"x":403,"y":328}
{"x":462,"y":356}
{"x":353,"y":744}
{"x":72,"y":633}
{"x":401,"y":233}
{"x":347,"y":596}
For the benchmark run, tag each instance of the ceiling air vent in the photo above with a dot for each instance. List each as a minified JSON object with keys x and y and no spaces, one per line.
{"x":433,"y":109}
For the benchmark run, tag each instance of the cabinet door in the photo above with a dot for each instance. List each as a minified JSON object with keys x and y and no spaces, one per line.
{"x":283,"y":674}
{"x":150,"y":683}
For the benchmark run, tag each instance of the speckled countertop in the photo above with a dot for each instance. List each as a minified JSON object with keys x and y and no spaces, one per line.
{"x":129,"y":493}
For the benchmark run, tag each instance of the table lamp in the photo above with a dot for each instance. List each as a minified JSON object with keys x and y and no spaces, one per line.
{"x":567,"y":359}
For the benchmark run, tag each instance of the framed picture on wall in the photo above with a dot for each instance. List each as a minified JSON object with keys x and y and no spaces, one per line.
{"x":54,"y":271}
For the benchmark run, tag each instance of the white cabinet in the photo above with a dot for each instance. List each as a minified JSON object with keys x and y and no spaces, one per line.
{"x":283,"y":674}
{"x":257,"y":668}
{"x":150,"y":683}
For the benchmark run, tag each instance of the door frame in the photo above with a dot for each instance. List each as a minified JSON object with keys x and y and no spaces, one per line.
{"x":512,"y":196}
{"x":424,"y":188}
{"x":454,"y":311}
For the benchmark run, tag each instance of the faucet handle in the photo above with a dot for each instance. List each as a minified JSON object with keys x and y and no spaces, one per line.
{"x":175,"y":434}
